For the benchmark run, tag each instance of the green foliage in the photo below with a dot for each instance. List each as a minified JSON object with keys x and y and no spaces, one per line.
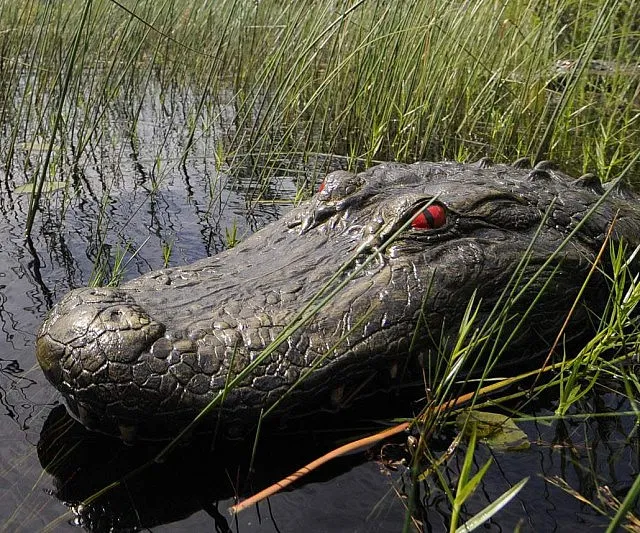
{"x":366,"y":79}
{"x":480,"y":519}
{"x":167,"y":248}
{"x":498,"y":431}
{"x":618,"y":331}
{"x":603,"y":360}
{"x":47,"y":187}
{"x":231,"y":235}
{"x":467,"y":485}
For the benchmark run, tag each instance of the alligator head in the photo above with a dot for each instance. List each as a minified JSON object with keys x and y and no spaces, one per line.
{"x":404,"y":246}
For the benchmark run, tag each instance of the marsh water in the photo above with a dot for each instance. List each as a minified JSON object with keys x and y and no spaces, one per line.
{"x":136,"y":201}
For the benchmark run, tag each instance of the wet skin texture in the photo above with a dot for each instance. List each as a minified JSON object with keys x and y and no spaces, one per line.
{"x":146,"y":357}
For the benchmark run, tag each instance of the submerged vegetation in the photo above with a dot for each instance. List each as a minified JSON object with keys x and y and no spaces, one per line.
{"x":264,"y":88}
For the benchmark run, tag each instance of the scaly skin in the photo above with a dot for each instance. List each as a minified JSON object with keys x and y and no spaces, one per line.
{"x":151,"y":354}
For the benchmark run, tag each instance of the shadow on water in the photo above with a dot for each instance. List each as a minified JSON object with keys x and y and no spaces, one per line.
{"x":597,"y":456}
{"x":205,"y":477}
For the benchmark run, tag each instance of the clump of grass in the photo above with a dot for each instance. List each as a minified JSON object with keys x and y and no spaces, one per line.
{"x":167,"y":248}
{"x":603,"y":359}
{"x":416,"y":80}
{"x":109,"y":271}
{"x":231,"y":235}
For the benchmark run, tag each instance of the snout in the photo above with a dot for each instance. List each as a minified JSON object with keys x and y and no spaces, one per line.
{"x":90,"y":328}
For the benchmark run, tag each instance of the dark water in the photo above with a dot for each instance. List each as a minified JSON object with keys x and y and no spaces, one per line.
{"x":119,"y":199}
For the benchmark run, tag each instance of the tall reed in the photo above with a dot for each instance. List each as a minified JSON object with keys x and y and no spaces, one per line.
{"x":269,"y":80}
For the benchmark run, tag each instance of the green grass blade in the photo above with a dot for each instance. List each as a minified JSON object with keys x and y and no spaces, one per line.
{"x":500,"y":502}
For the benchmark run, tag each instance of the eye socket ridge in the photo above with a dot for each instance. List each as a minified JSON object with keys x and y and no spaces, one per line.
{"x":506,"y":212}
{"x":433,"y":216}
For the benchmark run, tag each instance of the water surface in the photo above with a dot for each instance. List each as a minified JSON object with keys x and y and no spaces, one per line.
{"x":135,"y":198}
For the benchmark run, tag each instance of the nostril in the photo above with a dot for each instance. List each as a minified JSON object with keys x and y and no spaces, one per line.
{"x":116,"y":315}
{"x":99,"y":293}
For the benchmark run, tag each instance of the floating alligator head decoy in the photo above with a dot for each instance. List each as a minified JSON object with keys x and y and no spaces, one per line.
{"x":408,"y":245}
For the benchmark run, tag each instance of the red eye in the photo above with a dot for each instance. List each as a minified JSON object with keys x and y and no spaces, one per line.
{"x":432,"y":217}
{"x":321,"y":188}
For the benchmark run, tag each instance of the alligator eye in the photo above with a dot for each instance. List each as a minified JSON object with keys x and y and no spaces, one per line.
{"x":432,"y":217}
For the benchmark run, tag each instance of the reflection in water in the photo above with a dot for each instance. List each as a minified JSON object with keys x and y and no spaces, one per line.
{"x":15,"y":402}
{"x":198,"y":482}
{"x":200,"y":476}
{"x":83,"y":463}
{"x":34,"y":266}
